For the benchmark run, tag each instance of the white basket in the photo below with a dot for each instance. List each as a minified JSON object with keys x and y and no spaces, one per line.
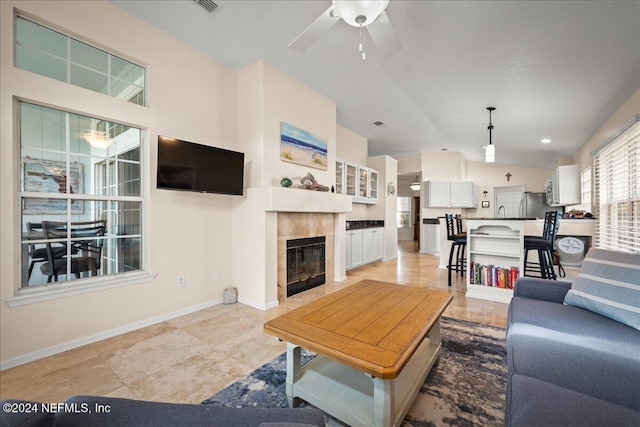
{"x":571,"y":251}
{"x":230,"y":296}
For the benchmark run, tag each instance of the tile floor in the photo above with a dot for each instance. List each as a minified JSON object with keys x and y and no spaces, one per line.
{"x":190,"y":358}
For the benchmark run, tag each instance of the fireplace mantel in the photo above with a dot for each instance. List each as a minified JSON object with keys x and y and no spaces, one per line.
{"x":280,"y":199}
{"x":260,"y":230}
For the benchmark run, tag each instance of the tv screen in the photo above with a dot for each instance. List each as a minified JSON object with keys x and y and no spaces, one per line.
{"x":184,"y":165}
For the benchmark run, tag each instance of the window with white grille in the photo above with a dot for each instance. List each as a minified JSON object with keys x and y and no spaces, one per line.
{"x":617,"y":195}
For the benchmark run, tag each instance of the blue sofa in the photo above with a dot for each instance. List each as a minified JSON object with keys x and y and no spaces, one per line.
{"x":94,"y":411}
{"x":574,"y":349}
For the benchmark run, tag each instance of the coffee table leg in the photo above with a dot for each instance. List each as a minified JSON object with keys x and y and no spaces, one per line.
{"x":294,"y":362}
{"x":382,"y":402}
{"x":434,"y":338}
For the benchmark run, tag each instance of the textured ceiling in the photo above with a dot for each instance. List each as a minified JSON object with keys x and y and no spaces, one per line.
{"x":553,"y":69}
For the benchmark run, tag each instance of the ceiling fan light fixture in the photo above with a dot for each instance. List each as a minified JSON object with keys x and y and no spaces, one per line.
{"x":415,"y":185}
{"x":359,"y":13}
{"x":97,"y":139}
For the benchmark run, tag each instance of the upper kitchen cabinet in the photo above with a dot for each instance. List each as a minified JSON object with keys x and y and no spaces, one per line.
{"x":563,"y":186}
{"x":450,"y":194}
{"x":358,"y":181}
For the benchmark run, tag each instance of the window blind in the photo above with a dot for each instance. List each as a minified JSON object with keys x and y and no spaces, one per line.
{"x":617,"y":196}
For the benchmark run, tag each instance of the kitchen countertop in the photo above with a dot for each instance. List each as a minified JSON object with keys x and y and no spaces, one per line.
{"x":362,"y":224}
{"x":525,"y":219}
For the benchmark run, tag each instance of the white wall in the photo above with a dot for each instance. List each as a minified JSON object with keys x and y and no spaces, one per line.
{"x":267,"y":97}
{"x":487,"y":176}
{"x":353,"y":147}
{"x":386,"y":207}
{"x":623,"y":114}
{"x":190,"y":96}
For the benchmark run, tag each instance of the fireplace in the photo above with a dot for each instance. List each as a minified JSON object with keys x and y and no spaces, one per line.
{"x":305,"y":264}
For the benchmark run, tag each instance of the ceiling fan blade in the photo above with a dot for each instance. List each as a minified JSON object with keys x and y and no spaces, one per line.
{"x":315,"y":30}
{"x":383,"y":35}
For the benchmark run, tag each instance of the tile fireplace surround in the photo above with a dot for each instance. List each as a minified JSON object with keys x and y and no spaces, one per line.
{"x":287,"y":213}
{"x":298,"y":225}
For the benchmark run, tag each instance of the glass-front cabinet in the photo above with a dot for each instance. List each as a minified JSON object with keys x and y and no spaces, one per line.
{"x":350,"y":179}
{"x":373,"y":184}
{"x":357,"y":181}
{"x":339,"y":177}
{"x":363,"y":182}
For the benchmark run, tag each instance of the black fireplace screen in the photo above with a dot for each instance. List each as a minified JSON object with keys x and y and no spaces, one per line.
{"x":305,"y":264}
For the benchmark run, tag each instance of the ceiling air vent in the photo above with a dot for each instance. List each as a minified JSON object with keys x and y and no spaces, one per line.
{"x":207,"y":5}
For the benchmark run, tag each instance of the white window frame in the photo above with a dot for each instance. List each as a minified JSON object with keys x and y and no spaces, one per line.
{"x":133,"y":88}
{"x":616,"y":200}
{"x":400,"y":210}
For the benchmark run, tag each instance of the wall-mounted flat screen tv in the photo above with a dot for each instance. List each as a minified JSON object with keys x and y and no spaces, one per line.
{"x":187,"y":166}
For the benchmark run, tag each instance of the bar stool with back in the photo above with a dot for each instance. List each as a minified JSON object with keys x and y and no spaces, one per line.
{"x":458,"y":245}
{"x":544,"y":245}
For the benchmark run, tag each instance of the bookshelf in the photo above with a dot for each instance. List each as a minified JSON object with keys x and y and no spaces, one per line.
{"x":495,"y":255}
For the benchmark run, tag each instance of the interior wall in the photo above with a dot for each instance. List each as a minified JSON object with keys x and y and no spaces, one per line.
{"x":354,"y":148}
{"x":288,"y":100}
{"x":386,"y":207}
{"x":188,"y":233}
{"x":626,"y":111}
{"x":267,"y":97}
{"x":487,"y":176}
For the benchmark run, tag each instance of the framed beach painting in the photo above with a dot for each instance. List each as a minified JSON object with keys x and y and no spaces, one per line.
{"x":302,"y":147}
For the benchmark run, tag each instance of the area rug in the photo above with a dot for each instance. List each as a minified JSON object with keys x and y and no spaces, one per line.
{"x":466,"y":389}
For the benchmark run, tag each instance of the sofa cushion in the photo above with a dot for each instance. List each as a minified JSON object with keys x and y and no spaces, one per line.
{"x":574,"y":348}
{"x":24,"y":413}
{"x":609,"y":284}
{"x":535,"y":403}
{"x":119,"y":412}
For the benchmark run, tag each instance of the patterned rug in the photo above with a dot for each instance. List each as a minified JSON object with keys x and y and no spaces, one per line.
{"x":466,"y":389}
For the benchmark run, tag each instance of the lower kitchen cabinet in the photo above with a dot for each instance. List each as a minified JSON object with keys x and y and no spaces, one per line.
{"x":364,"y":246}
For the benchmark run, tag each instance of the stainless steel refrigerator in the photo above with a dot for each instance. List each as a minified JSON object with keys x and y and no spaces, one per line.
{"x":535,"y":205}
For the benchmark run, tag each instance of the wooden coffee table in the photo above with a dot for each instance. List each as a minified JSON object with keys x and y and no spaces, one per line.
{"x":376,"y":343}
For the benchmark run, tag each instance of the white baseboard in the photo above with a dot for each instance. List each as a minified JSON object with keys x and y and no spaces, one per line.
{"x":69,"y":345}
{"x":263,"y":307}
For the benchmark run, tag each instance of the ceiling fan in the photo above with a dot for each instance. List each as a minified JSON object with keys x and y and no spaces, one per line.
{"x":369,"y":15}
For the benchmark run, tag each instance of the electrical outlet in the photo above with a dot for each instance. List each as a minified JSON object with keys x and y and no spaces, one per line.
{"x":216,"y":275}
{"x":180,"y":281}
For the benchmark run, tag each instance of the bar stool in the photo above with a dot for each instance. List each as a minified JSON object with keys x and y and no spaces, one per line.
{"x":458,"y":245}
{"x":544,"y":245}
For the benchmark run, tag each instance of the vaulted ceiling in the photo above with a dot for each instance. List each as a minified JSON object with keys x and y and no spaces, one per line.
{"x":553,"y":69}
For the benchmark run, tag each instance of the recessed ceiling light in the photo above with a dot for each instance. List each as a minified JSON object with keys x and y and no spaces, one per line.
{"x":545,"y":141}
{"x":378,"y":123}
{"x":444,"y":149}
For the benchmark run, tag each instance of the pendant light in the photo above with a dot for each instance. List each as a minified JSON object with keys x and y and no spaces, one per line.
{"x":490,"y":150}
{"x":415,"y":185}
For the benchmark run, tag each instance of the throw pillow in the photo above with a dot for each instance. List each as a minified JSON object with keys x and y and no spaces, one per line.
{"x":609,"y":284}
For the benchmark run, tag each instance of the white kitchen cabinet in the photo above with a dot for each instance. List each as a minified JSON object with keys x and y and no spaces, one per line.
{"x":367,"y":245}
{"x":353,"y":249}
{"x":363,"y":246}
{"x":373,"y":185}
{"x":339,"y":177}
{"x":563,"y":186}
{"x":378,"y":243}
{"x":437,"y":194}
{"x":357,"y":181}
{"x":446,"y":194}
{"x":351,"y":182}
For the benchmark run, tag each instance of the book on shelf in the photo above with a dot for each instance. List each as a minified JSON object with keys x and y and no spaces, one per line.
{"x":493,"y":276}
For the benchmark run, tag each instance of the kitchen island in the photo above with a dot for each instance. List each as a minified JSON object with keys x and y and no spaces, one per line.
{"x":499,"y":242}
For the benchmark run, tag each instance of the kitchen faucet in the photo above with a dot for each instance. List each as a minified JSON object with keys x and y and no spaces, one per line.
{"x":505,"y":212}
